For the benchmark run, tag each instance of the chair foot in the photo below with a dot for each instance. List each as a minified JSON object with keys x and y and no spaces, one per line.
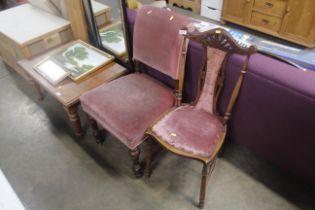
{"x":136,"y":167}
{"x":206,"y":173}
{"x":148,"y":168}
{"x":96,"y":131}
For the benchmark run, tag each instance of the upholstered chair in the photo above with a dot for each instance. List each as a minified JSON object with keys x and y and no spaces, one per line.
{"x":197,"y":130}
{"x":127,"y":106}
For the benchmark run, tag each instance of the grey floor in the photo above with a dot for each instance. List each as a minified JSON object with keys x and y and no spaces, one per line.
{"x":50,"y":169}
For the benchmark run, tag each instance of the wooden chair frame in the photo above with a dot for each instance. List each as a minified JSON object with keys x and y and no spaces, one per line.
{"x":178,"y":89}
{"x":217,"y":38}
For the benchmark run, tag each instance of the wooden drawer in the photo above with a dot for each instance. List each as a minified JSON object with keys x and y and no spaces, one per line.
{"x":216,"y":4}
{"x":275,"y":7}
{"x":210,"y":12}
{"x":47,"y":43}
{"x":193,"y":5}
{"x":265,"y":21}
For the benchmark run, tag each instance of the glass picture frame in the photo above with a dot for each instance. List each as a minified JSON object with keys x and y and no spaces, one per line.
{"x":77,"y":59}
{"x":44,"y":68}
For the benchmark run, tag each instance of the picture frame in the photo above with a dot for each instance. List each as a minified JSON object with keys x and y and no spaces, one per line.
{"x":113,"y":39}
{"x":78,"y":59}
{"x":44,"y":68}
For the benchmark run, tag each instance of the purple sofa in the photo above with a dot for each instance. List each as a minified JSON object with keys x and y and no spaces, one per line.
{"x":275,"y":113}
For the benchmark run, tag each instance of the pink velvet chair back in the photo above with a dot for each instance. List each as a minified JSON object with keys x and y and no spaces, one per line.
{"x":219,"y":46}
{"x":215,"y":58}
{"x":157,"y":42}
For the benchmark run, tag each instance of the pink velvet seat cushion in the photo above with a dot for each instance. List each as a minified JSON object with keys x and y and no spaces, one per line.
{"x":128,"y":105}
{"x":190,"y":129}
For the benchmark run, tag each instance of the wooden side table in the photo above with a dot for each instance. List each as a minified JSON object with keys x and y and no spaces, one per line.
{"x":68,"y":91}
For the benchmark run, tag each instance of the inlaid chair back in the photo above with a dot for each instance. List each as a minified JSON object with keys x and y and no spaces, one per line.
{"x":157,"y":42}
{"x":219,"y":46}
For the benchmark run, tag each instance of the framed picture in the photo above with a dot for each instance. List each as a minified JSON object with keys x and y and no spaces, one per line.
{"x":77,"y":59}
{"x":52,"y":72}
{"x":112,"y":37}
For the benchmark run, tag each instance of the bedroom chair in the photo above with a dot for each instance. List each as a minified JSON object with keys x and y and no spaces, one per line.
{"x":197,"y":131}
{"x":127,"y":106}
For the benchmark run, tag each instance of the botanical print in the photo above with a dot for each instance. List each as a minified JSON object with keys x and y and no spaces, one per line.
{"x":113,"y":38}
{"x":78,"y":59}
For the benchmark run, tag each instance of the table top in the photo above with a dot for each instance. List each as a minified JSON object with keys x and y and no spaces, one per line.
{"x":26,"y":23}
{"x":68,"y":91}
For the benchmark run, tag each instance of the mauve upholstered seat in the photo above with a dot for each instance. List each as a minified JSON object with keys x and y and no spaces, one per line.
{"x":127,"y":106}
{"x":196,"y":128}
{"x":110,"y":106}
{"x":190,"y":129}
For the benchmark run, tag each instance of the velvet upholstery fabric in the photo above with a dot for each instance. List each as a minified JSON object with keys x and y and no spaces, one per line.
{"x":274,"y":114}
{"x":190,"y":129}
{"x":160,"y":46}
{"x":127,"y":106}
{"x":215,"y":59}
{"x":195,"y":129}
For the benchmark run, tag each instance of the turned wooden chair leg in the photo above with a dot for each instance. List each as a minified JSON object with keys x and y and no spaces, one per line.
{"x":148,"y":167}
{"x":136,"y":167}
{"x":96,"y":131}
{"x":203,"y":186}
{"x":206,"y":173}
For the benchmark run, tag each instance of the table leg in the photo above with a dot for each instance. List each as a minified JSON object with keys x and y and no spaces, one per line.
{"x":36,"y":90}
{"x":74,"y":119}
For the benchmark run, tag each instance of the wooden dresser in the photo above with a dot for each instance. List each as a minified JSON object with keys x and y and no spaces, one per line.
{"x":292,"y":20}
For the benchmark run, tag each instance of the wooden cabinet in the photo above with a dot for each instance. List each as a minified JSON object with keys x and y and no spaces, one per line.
{"x":292,"y":20}
{"x":237,"y":10}
{"x":299,"y":21}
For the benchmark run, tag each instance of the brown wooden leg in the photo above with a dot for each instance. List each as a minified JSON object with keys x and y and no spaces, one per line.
{"x":96,"y":131}
{"x":206,"y":173}
{"x":74,"y":119}
{"x":148,"y":168}
{"x":203,"y":186}
{"x":36,"y":90}
{"x":136,"y":167}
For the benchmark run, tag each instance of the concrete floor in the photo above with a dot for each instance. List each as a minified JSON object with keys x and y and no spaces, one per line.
{"x":50,"y":169}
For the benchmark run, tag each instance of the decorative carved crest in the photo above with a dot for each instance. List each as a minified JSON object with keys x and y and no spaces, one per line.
{"x":220,"y":38}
